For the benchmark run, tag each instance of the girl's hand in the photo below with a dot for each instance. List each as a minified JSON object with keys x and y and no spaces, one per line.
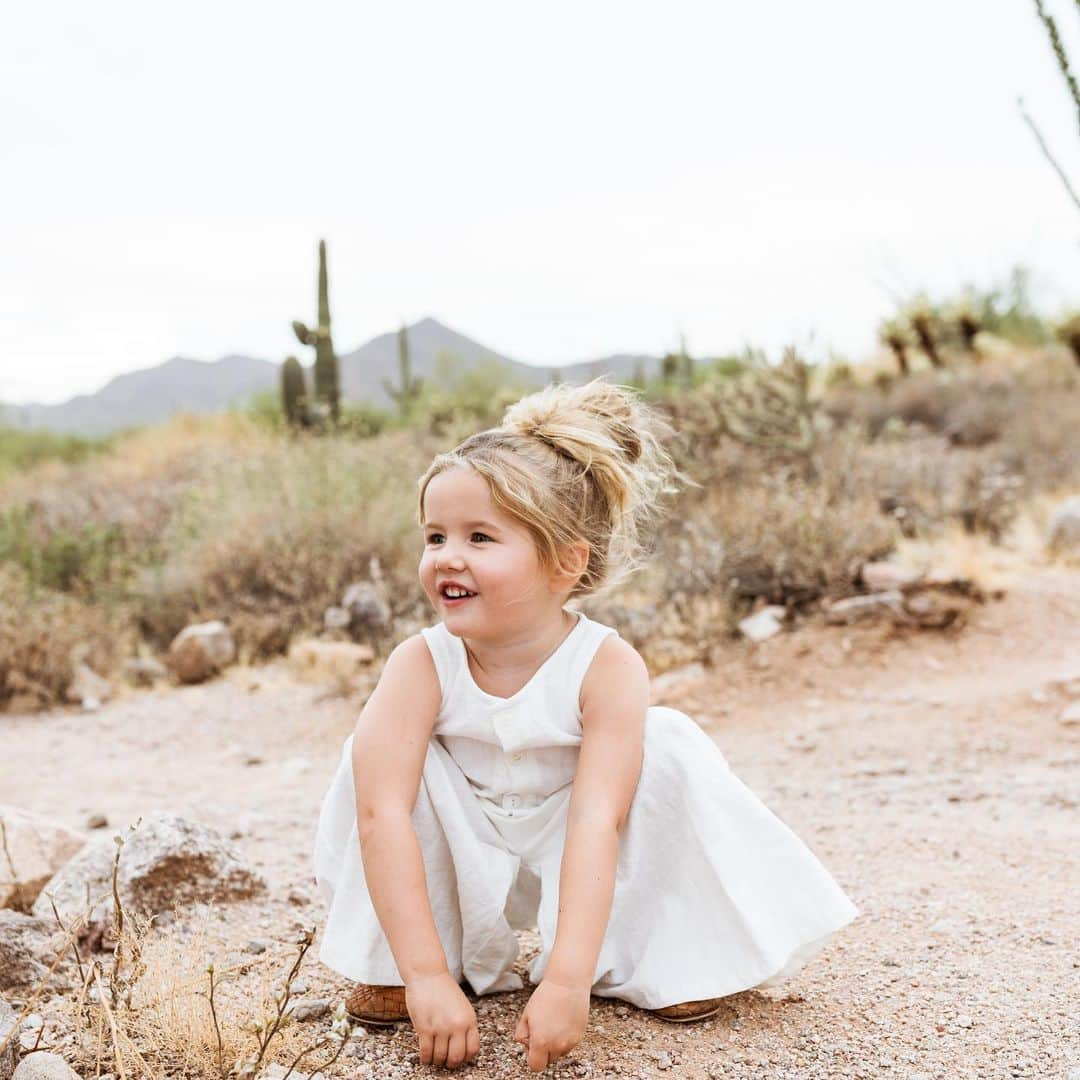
{"x":444,"y":1020}
{"x":553,"y":1022}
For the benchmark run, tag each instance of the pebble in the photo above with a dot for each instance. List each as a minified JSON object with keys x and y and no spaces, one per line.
{"x":97,"y":821}
{"x":256,"y":945}
{"x":310,"y":1010}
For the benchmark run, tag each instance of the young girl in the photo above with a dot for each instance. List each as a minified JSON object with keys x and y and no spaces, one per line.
{"x":508,"y":771}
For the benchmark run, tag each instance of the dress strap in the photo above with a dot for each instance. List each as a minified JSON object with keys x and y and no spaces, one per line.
{"x":443,"y":654}
{"x":581,"y":656}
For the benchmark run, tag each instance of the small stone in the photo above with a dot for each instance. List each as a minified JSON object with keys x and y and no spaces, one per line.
{"x":663,"y":1059}
{"x":622,"y":1011}
{"x":256,"y":946}
{"x":965,"y":1021}
{"x":1070,"y":715}
{"x":299,"y":987}
{"x":298,"y":899}
{"x":310,"y":1010}
{"x":97,"y":821}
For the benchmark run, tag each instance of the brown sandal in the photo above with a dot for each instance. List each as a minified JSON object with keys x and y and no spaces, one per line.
{"x":377,"y":1005}
{"x":687,"y":1011}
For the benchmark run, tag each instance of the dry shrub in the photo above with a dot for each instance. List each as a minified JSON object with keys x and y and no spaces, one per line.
{"x":40,"y":629}
{"x":150,"y":1016}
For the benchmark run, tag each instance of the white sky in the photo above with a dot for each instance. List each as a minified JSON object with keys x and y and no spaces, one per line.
{"x":558,"y":181}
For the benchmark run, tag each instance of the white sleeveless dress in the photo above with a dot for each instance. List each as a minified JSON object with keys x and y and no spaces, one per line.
{"x":713,"y":893}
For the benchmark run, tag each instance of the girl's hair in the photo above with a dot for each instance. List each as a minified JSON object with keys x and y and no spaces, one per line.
{"x":575,"y":463}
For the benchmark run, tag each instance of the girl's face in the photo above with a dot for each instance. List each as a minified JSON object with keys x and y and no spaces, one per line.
{"x":469,"y":541}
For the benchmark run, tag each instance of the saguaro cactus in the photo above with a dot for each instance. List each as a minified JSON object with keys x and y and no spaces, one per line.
{"x":410,"y":387}
{"x":293,"y":392}
{"x":327,"y":386}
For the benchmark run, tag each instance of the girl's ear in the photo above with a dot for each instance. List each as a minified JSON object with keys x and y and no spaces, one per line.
{"x":576,"y":558}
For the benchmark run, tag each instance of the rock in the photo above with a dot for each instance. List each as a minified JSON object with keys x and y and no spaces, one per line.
{"x":278,"y":1072}
{"x":38,"y":847}
{"x":10,"y":1055}
{"x":369,"y":613}
{"x":44,"y":1065}
{"x":663,"y":1060}
{"x":1063,"y":532}
{"x":325,"y":661}
{"x":886,"y":576}
{"x":298,"y":899}
{"x":167,"y":860}
{"x":256,"y":946}
{"x":144,"y":670}
{"x":25,"y":949}
{"x":675,"y":679}
{"x":764,"y":624}
{"x":309,"y":1010}
{"x":97,"y":821}
{"x":87,"y":687}
{"x":200,"y":651}
{"x":857,"y":608}
{"x":1070,"y":715}
{"x":336,"y":618}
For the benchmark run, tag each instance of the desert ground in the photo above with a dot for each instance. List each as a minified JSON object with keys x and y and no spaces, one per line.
{"x":931,"y":771}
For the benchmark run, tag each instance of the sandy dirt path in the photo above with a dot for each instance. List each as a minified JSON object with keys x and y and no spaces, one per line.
{"x":932,"y":774}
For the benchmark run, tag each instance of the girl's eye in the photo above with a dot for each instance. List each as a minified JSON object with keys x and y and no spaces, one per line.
{"x":435,"y":538}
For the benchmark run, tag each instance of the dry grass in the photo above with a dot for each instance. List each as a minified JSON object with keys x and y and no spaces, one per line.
{"x":153,"y":1006}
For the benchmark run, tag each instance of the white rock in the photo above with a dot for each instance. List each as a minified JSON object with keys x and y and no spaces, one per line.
{"x":1063,"y":533}
{"x":38,"y":848}
{"x":763,"y":624}
{"x":1070,"y":715}
{"x":43,"y":1065}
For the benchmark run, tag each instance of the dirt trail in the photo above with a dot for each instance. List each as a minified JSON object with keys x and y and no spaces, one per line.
{"x":931,"y":773}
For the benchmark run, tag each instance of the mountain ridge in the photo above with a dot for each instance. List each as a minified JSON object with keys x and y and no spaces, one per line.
{"x":151,"y":395}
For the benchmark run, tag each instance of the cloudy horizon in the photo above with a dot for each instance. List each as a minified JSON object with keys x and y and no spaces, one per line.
{"x":560,"y":189}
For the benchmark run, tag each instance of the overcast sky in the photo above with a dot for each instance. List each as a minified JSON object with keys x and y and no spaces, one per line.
{"x":557,"y":181}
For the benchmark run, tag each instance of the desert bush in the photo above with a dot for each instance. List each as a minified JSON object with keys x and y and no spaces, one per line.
{"x":21,"y":450}
{"x":41,"y":631}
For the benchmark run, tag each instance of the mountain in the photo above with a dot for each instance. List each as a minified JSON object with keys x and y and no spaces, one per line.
{"x":152,"y":395}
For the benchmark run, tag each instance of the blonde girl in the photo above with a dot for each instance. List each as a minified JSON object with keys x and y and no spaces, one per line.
{"x":508,"y":771}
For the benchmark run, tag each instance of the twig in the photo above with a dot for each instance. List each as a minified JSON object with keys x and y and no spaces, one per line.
{"x":7,"y":854}
{"x":112,"y":1026}
{"x":217,"y":1030}
{"x":1046,"y":153}
{"x":1059,"y":51}
{"x":74,"y":945}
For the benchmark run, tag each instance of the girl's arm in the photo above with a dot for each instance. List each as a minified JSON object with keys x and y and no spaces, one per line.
{"x":615,"y":695}
{"x":389,"y":747}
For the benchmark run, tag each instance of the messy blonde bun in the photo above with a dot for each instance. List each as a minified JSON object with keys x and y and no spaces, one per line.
{"x":574,"y":463}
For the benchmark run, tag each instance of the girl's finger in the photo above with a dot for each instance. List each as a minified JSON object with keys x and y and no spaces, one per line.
{"x":521,"y":1032}
{"x":472,"y":1043}
{"x":427,"y":1043}
{"x":455,"y":1053}
{"x":442,"y":1044}
{"x":538,"y":1059}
